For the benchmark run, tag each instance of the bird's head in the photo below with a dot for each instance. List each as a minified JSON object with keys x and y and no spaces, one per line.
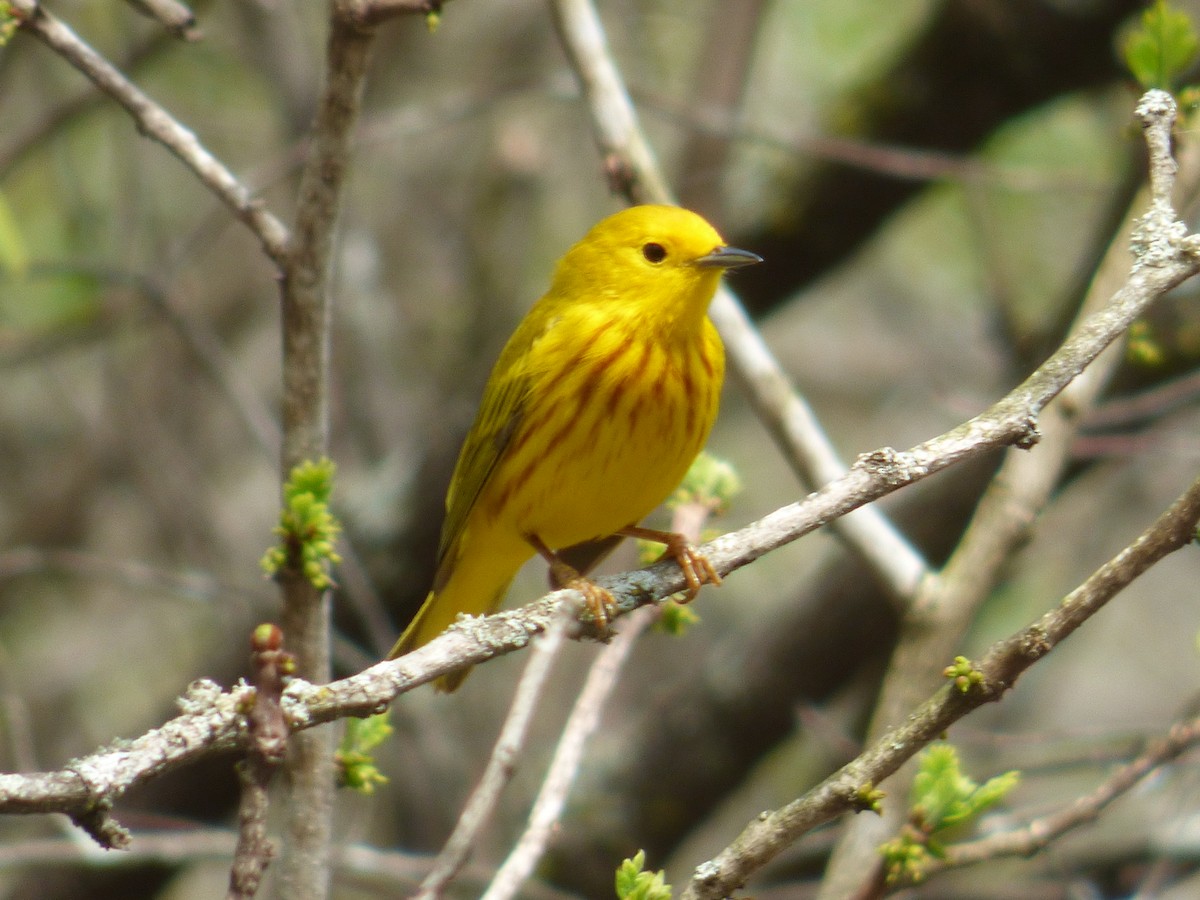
{"x":655,"y":260}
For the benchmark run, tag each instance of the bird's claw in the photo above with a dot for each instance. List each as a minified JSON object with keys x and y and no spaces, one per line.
{"x":600,"y":604}
{"x":697,"y":570}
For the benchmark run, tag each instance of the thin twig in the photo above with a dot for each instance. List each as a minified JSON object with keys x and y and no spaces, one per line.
{"x":268,"y":747}
{"x":304,"y":293}
{"x":687,"y":519}
{"x":552,"y":797}
{"x":1042,"y":831}
{"x":998,"y":671}
{"x":172,"y":15}
{"x":895,"y":161}
{"x":946,"y":604}
{"x":156,"y":123}
{"x":502,"y":763}
{"x":630,"y":164}
{"x":20,"y":145}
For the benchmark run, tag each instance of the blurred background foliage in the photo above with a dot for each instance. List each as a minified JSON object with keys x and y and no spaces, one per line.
{"x":931,"y":183}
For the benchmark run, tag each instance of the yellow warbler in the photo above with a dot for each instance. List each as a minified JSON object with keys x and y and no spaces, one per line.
{"x":595,"y":409}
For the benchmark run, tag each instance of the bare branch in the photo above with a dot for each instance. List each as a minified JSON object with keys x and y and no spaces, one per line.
{"x":552,"y":797}
{"x":945,"y":605}
{"x":503,"y":762}
{"x":211,"y":721}
{"x":156,"y":123}
{"x":172,"y":15}
{"x":1044,"y":830}
{"x":766,"y":836}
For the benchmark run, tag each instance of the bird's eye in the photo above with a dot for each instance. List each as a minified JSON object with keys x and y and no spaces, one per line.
{"x":654,"y":253}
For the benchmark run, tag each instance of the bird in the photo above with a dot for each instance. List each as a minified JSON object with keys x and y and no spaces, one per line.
{"x":596,"y":407}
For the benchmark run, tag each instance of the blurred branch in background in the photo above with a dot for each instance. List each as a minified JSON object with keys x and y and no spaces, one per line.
{"x":947,"y":605}
{"x":155,"y":122}
{"x":995,"y":674}
{"x":941,"y":180}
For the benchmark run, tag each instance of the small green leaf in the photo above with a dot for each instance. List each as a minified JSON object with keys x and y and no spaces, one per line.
{"x":943,"y":796}
{"x":14,"y":254}
{"x":905,"y":858}
{"x":356,"y":766}
{"x":869,"y":798}
{"x":710,"y":481}
{"x":676,"y":618}
{"x":992,"y":792}
{"x":314,"y":478}
{"x":1163,"y":46}
{"x":307,"y":529}
{"x":632,"y":883}
{"x":964,"y":674}
{"x":9,"y":22}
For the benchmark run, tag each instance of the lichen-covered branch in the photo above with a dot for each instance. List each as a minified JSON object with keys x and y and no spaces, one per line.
{"x":994,"y":675}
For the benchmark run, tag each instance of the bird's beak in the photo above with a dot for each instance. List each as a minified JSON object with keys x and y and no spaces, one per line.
{"x":727,"y":258}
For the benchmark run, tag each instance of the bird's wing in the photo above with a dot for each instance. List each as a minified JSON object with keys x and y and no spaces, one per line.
{"x":500,"y":414}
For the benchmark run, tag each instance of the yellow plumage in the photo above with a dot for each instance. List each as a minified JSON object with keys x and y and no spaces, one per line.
{"x":596,"y":407}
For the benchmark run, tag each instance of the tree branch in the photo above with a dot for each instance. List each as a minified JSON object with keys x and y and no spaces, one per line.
{"x":1004,"y":662}
{"x":156,"y":123}
{"x":502,"y":764}
{"x":1044,"y":830}
{"x":304,"y":868}
{"x":946,"y":604}
{"x":211,"y":720}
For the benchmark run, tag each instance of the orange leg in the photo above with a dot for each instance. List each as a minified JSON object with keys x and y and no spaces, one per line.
{"x":697,"y":570}
{"x":599,"y":601}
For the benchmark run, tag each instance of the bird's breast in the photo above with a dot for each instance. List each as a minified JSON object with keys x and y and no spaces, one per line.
{"x":607,"y":434}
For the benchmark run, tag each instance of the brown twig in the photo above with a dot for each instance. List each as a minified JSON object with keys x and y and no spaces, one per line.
{"x":998,"y":671}
{"x":502,"y":764}
{"x":268,"y":734}
{"x":947,"y":603}
{"x":156,"y":123}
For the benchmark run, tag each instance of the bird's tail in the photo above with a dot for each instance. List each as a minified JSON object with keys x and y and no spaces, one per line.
{"x":438,"y":613}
